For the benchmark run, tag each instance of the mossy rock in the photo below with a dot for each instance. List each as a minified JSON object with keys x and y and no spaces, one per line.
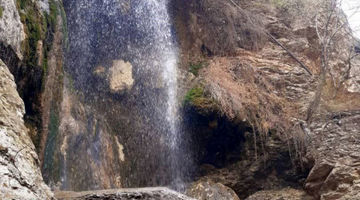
{"x":38,"y":27}
{"x":200,"y":100}
{"x":32,"y":20}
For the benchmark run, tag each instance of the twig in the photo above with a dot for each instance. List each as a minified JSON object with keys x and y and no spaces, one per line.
{"x":290,"y":53}
{"x":277,"y":42}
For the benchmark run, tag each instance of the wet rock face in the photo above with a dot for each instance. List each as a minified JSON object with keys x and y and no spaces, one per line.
{"x":121,"y":77}
{"x":101,"y":32}
{"x":112,"y":122}
{"x":19,"y":165}
{"x":124,"y":194}
{"x":211,"y":191}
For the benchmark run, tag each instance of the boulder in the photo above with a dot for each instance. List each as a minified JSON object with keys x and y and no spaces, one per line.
{"x":208,"y":190}
{"x":334,"y":148}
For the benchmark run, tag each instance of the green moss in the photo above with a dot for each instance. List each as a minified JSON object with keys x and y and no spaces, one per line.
{"x":51,"y":162}
{"x":197,"y":98}
{"x":49,"y":28}
{"x":21,"y":4}
{"x":194,"y":93}
{"x":65,"y":28}
{"x":37,"y":28}
{"x":1,"y":12}
{"x":33,"y":29}
{"x":194,"y":68}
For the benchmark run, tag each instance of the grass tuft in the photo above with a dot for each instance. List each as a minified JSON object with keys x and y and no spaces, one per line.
{"x":194,"y":68}
{"x":200,"y":100}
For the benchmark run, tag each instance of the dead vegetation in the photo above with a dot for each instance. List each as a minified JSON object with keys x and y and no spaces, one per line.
{"x":336,"y":44}
{"x":244,"y":94}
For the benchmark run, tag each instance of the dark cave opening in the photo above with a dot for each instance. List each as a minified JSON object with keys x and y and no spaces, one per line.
{"x":224,"y":151}
{"x":215,"y":139}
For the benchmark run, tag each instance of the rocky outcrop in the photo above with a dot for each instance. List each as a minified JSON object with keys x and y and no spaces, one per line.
{"x":270,"y":91}
{"x":335,"y":151}
{"x":245,"y":174}
{"x":216,"y":27}
{"x":211,"y":191}
{"x":19,"y":165}
{"x":11,"y":29}
{"x":44,"y":5}
{"x":124,"y":194}
{"x":284,"y":194}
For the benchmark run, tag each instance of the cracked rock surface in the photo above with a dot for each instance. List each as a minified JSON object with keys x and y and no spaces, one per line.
{"x":19,"y":166}
{"x":11,"y":29}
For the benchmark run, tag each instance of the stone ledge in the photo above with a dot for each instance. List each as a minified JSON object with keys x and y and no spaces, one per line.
{"x":156,"y":193}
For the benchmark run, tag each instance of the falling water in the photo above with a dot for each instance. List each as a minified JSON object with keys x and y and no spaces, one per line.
{"x":158,"y":21}
{"x":144,"y":119}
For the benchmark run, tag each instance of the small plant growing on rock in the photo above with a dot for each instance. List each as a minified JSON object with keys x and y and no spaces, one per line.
{"x":200,"y":100}
{"x":194,"y":68}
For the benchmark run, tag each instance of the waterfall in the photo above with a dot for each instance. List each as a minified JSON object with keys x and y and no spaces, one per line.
{"x":158,"y":21}
{"x":141,"y":122}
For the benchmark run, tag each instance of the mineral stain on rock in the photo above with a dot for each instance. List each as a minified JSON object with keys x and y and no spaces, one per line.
{"x":120,"y":76}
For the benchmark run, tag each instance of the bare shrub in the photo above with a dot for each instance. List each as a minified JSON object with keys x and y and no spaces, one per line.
{"x":336,"y":41}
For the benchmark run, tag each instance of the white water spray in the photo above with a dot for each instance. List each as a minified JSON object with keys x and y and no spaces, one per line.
{"x":158,"y":22}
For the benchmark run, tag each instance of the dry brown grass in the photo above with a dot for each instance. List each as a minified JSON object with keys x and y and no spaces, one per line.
{"x":244,"y":94}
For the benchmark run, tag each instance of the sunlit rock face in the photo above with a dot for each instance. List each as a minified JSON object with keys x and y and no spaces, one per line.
{"x":19,"y":165}
{"x":208,"y":190}
{"x":11,"y":28}
{"x":116,"y":126}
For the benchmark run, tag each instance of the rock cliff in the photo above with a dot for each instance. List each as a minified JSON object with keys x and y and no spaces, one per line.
{"x":19,"y":164}
{"x":262,"y":87}
{"x":83,"y":98}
